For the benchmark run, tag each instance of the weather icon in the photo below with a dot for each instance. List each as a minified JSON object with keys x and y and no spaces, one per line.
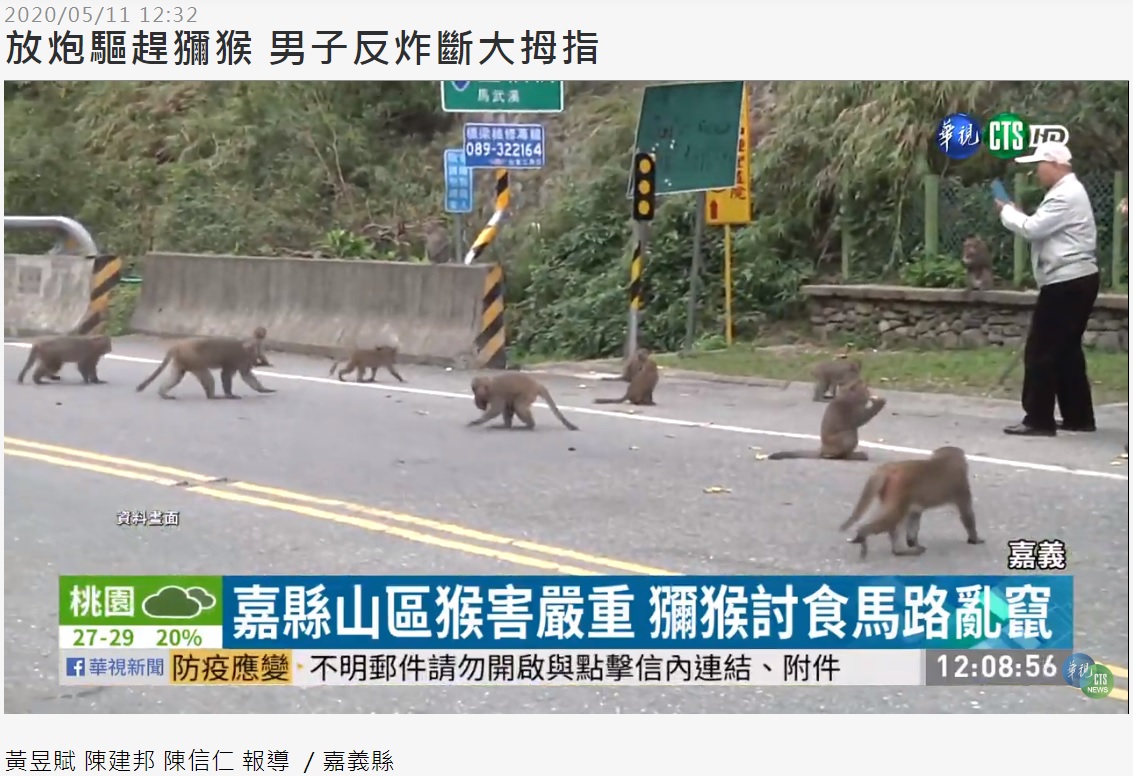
{"x":178,"y":603}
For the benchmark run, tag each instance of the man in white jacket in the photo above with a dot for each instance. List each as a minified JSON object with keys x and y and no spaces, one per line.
{"x":1063,"y":240}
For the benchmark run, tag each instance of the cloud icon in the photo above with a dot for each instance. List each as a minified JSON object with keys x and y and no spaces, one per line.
{"x":175,"y":603}
{"x":206,"y":599}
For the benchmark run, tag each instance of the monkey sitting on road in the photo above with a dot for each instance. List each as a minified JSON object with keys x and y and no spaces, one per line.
{"x":199,"y":355}
{"x":851,"y":409}
{"x":977,"y":261}
{"x":257,"y":342}
{"x":84,"y":351}
{"x":511,"y":395}
{"x":906,"y":489}
{"x":362,"y":359}
{"x":641,"y":385}
{"x":829,"y":375}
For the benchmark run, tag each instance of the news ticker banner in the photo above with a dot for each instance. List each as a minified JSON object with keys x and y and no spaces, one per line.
{"x":506,"y":630}
{"x":349,"y":613}
{"x":548,"y":668}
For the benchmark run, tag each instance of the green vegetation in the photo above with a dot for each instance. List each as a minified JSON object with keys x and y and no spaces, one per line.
{"x":968,"y":372}
{"x":335,"y":169}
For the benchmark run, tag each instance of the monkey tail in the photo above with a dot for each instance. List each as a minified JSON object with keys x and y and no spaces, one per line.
{"x":613,"y":401}
{"x":33,"y":354}
{"x":164,"y":363}
{"x":790,"y":455}
{"x":874,"y":488}
{"x":546,"y":396}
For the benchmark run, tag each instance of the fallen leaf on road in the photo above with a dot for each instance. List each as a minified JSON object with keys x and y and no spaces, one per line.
{"x":762,"y":457}
{"x":421,"y":412}
{"x":755,"y":447}
{"x":582,"y":385}
{"x":634,"y":447}
{"x":669,"y":436}
{"x":717,"y":489}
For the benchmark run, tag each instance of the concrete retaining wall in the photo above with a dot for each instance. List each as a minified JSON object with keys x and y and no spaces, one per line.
{"x":45,"y":294}
{"x":316,"y":306}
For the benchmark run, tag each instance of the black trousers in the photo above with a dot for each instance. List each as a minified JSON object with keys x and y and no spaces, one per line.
{"x":1055,"y":366}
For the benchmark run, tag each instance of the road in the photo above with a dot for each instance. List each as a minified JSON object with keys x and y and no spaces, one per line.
{"x":331,"y":478}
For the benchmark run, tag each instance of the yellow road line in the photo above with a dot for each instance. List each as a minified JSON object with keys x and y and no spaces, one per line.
{"x":181,"y":474}
{"x":1117,"y":693}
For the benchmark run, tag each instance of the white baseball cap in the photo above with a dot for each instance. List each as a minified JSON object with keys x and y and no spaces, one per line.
{"x":1047,"y":151}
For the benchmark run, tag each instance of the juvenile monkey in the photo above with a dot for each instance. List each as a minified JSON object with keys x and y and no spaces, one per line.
{"x":511,"y":395}
{"x":906,"y":489}
{"x":361,"y":359}
{"x":641,"y":385}
{"x":84,"y":351}
{"x":259,"y":334}
{"x":438,"y":246}
{"x":851,"y":409}
{"x":200,"y":354}
{"x":977,"y":261}
{"x":829,"y":375}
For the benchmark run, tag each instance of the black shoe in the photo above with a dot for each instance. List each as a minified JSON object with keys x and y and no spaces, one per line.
{"x":1022,"y":429}
{"x":1064,"y":426}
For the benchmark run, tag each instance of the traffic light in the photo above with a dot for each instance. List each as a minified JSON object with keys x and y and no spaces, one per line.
{"x":644,"y":194}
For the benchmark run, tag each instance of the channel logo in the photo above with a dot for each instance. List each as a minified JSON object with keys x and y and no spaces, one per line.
{"x":76,"y":666}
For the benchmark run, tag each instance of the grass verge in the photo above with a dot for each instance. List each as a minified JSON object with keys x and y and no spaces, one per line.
{"x":965,"y":372}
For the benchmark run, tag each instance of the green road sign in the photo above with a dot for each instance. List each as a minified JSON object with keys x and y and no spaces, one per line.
{"x":502,"y":96}
{"x":694,"y":131}
{"x":114,"y":600}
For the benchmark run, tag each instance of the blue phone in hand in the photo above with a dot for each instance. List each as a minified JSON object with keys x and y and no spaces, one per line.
{"x":999,"y":191}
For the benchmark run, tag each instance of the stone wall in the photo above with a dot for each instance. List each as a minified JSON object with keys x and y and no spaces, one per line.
{"x":950,"y":318}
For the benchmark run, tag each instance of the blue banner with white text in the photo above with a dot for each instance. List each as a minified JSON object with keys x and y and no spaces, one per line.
{"x":639,"y":612}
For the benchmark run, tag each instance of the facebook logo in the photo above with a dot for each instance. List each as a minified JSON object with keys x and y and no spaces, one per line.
{"x":76,"y":666}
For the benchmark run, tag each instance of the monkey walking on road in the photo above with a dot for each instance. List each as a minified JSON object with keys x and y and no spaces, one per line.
{"x":85,"y":351}
{"x":373,"y":359}
{"x":977,"y":261}
{"x":906,"y":489}
{"x":641,"y":385}
{"x":830,"y":375}
{"x":198,"y":356}
{"x":512,"y":395}
{"x":851,"y":408}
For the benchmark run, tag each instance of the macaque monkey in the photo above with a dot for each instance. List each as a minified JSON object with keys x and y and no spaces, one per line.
{"x":511,"y":395}
{"x":906,"y":489}
{"x":851,"y":408}
{"x":199,"y":355}
{"x":374,"y":358}
{"x":438,"y":244}
{"x":84,"y":351}
{"x":829,"y":375}
{"x":977,"y":261}
{"x":257,"y":342}
{"x":632,"y":365}
{"x":641,"y":385}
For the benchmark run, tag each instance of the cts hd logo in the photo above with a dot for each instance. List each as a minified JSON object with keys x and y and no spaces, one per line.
{"x":1006,"y":135}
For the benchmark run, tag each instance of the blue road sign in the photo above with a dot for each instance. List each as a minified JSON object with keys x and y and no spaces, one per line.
{"x":458,"y":182}
{"x":512,"y":146}
{"x":460,"y":86}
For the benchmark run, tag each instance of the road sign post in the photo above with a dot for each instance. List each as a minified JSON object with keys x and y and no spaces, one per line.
{"x":502,"y":96}
{"x":693,"y":129}
{"x":644,"y":206}
{"x":511,"y":146}
{"x":459,"y":193}
{"x":732,"y":207}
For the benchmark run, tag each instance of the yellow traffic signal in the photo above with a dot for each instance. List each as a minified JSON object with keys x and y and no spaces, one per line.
{"x":644,"y":189}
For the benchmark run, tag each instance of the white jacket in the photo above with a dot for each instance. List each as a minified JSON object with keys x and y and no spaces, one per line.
{"x":1061,"y":232}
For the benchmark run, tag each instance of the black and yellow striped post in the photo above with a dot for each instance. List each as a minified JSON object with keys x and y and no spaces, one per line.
{"x":644,"y":205}
{"x":491,"y":342}
{"x":489,"y":232}
{"x":105,"y":275}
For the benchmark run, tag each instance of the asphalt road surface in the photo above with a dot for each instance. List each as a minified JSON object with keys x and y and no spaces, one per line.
{"x":410,"y":490}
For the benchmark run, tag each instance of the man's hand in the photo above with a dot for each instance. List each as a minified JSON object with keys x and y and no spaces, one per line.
{"x":1123,"y":206}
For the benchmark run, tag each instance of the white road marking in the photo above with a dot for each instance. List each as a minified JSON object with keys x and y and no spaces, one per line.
{"x":1028,"y":465}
